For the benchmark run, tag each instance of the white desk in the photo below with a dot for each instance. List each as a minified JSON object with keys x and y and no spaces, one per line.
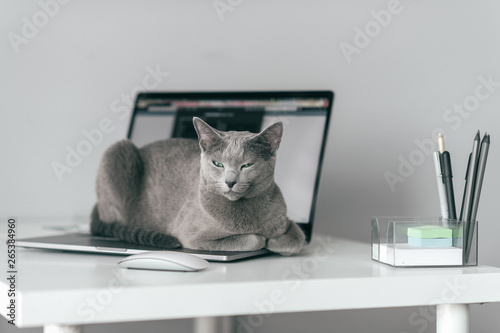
{"x":56,"y":289}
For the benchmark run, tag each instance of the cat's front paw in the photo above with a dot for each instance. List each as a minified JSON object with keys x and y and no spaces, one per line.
{"x":289,"y":243}
{"x":252,"y":242}
{"x":245,"y":242}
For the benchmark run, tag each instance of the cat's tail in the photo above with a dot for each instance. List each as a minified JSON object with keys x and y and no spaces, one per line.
{"x":131,"y":234}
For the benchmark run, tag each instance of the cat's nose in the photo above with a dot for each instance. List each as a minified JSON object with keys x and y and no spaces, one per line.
{"x":230,"y":184}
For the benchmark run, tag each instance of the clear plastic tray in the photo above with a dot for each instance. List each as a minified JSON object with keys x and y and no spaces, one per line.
{"x":412,"y":241}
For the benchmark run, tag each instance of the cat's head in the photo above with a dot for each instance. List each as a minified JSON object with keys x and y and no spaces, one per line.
{"x":237,"y":164}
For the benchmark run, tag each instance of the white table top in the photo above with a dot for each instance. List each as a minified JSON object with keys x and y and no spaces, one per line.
{"x":329,"y":274}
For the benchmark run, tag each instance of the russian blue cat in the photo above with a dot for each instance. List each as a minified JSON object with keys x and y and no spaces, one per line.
{"x":217,"y":193}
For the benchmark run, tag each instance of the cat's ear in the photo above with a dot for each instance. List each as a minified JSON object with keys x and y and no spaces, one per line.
{"x":207,"y":136}
{"x":270,"y":137}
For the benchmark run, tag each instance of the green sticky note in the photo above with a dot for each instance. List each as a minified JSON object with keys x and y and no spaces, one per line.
{"x":457,"y":231}
{"x":430,"y":231}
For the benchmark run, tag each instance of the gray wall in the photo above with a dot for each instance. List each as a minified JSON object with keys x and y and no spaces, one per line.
{"x":416,"y":72}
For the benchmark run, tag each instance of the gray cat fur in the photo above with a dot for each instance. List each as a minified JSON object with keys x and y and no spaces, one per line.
{"x":170,"y":193}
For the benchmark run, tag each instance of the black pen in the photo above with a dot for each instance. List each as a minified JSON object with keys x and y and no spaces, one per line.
{"x":478,"y":183}
{"x":481,"y":166}
{"x":462,"y":211}
{"x":448,"y":182}
{"x":469,"y":180}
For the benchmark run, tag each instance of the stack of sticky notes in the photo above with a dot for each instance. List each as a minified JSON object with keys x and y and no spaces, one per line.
{"x":430,"y":236}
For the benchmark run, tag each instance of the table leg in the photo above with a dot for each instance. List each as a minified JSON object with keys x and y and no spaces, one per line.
{"x":214,"y":325}
{"x":62,"y":329}
{"x":452,"y":318}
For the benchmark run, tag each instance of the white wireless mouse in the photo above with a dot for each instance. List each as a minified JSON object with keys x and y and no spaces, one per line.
{"x":165,"y":261}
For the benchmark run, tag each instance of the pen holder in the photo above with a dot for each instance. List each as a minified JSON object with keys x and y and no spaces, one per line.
{"x":411,"y":241}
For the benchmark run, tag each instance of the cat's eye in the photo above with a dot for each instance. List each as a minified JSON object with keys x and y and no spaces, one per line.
{"x":217,"y":164}
{"x":246,"y":165}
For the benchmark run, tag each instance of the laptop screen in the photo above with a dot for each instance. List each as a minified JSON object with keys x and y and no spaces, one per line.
{"x":305,"y":117}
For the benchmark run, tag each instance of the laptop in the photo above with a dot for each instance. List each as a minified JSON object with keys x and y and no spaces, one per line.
{"x":160,"y":115}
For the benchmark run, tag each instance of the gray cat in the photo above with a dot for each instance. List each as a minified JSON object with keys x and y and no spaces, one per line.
{"x":217,"y":193}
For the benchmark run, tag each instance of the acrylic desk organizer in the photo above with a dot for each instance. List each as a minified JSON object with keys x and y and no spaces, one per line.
{"x":423,"y":241}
